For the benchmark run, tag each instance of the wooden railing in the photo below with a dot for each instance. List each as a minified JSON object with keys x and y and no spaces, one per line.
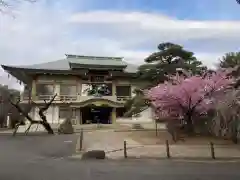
{"x":123,"y":98}
{"x":70,"y":98}
{"x":85,"y":98}
{"x":44,"y":97}
{"x":67,"y":98}
{"x":58,"y":98}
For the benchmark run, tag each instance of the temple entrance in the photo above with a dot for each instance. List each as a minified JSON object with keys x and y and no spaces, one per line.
{"x":94,"y":115}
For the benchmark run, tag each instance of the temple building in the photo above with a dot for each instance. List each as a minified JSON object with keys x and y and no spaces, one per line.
{"x":89,"y":89}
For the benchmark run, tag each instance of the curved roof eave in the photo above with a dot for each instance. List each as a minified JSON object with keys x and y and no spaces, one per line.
{"x":107,"y":101}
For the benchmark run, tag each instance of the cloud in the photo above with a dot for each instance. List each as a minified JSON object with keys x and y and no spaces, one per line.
{"x":43,"y":32}
{"x":133,"y":30}
{"x":156,"y":23}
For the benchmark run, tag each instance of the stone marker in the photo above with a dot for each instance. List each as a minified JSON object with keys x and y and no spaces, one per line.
{"x":66,"y":127}
{"x":94,"y":154}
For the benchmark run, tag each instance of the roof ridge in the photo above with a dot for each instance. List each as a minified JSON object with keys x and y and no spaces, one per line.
{"x":64,"y":64}
{"x":94,"y":57}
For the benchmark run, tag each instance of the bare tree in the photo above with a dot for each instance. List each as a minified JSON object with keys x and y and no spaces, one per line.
{"x":6,"y":5}
{"x":227,"y":113}
{"x":25,"y":113}
{"x":6,"y":108}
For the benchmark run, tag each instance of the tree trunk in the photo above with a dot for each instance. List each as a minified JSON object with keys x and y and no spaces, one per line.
{"x":234,"y":138}
{"x":189,"y":125}
{"x":47,"y":126}
{"x":234,"y":133}
{"x":44,"y":122}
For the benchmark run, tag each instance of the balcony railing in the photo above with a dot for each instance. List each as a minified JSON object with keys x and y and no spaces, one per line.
{"x":85,"y":98}
{"x":67,"y":97}
{"x":58,"y":98}
{"x":123,"y":98}
{"x":44,"y":97}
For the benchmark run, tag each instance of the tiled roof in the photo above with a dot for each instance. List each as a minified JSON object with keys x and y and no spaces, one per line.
{"x":63,"y":64}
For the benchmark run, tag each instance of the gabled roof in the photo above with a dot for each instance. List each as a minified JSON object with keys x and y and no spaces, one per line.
{"x":52,"y":65}
{"x":64,"y":64}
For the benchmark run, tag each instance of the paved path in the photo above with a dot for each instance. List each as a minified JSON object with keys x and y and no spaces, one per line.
{"x":66,"y":169}
{"x":30,"y":148}
{"x":109,"y":141}
{"x":112,"y":143}
{"x":46,"y":158}
{"x":184,"y":151}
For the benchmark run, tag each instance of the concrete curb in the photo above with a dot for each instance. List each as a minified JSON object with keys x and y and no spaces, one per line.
{"x":207,"y":161}
{"x":133,"y":130}
{"x":187,"y":160}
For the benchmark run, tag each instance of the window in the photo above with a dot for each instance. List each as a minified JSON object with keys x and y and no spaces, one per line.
{"x":97,"y":89}
{"x":123,"y":90}
{"x":68,"y":89}
{"x":67,"y":112}
{"x":26,"y":93}
{"x":97,"y":78}
{"x":44,"y":89}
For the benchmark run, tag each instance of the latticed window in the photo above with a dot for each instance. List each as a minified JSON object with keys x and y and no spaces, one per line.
{"x":44,"y":89}
{"x":97,"y":78}
{"x":68,"y":89}
{"x":97,"y":89}
{"x":66,"y":112}
{"x":123,"y":91}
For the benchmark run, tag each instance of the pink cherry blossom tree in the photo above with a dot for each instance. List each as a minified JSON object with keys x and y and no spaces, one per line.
{"x":190,"y":96}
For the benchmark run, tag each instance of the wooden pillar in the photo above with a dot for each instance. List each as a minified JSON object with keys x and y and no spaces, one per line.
{"x":79,"y":89}
{"x":80,"y":116}
{"x":113,"y":116}
{"x":57,"y":88}
{"x":33,"y":90}
{"x":113,"y":88}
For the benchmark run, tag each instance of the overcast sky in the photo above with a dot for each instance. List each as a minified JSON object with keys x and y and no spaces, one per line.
{"x":46,"y":30}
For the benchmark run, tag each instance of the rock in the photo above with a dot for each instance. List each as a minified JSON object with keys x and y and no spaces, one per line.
{"x":94,"y":154}
{"x":137,"y":126}
{"x":66,"y":127}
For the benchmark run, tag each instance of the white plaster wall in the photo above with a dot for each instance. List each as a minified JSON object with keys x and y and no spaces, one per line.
{"x":56,"y":114}
{"x":78,"y":115}
{"x":83,"y":90}
{"x":75,"y":120}
{"x":60,"y":120}
{"x":133,"y":87}
{"x":52,"y":115}
{"x":57,"y":89}
{"x":56,"y":118}
{"x":145,"y":117}
{"x":79,"y":87}
{"x":32,"y":112}
{"x":48,"y":113}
